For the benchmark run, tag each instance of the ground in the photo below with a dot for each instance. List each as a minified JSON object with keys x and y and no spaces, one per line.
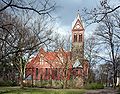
{"x":17,"y":90}
{"x":102,"y":91}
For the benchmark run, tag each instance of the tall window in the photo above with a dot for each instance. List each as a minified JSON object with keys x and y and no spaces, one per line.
{"x":80,"y":38}
{"x":55,"y":72}
{"x":75,"y":37}
{"x":36,"y":72}
{"x":46,"y":71}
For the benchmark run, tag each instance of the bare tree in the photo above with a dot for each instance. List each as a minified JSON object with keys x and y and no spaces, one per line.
{"x":19,"y":41}
{"x":91,"y":52}
{"x":39,"y":7}
{"x":106,"y":74}
{"x":63,"y":58}
{"x":99,"y":13}
{"x":106,"y":33}
{"x":60,"y":41}
{"x":20,"y":37}
{"x":108,"y":19}
{"x":65,"y":62}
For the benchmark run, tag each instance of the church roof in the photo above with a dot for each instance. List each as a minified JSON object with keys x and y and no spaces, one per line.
{"x":47,"y":57}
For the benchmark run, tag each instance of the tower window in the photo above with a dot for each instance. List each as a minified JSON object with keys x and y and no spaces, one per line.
{"x":80,"y":38}
{"x":75,"y":38}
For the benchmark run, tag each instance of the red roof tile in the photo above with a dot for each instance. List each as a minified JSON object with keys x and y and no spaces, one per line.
{"x":48,"y":57}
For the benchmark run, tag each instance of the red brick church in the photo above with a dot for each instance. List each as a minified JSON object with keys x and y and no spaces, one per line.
{"x":61,"y":64}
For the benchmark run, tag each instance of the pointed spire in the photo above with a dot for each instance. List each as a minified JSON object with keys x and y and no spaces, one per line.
{"x":78,"y":17}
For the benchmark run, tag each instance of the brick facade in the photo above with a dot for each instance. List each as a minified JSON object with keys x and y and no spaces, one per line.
{"x":59,"y":64}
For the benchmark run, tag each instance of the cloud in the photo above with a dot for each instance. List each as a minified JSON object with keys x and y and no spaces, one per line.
{"x":63,"y":30}
{"x":68,"y":11}
{"x":90,"y":30}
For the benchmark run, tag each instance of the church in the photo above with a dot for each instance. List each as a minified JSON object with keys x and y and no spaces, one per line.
{"x":61,"y":65}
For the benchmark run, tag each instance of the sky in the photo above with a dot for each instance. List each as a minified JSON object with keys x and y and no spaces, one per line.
{"x":67,"y":11}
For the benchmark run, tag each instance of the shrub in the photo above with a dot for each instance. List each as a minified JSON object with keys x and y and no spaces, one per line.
{"x":119,"y":87}
{"x":7,"y":83}
{"x":94,"y":86}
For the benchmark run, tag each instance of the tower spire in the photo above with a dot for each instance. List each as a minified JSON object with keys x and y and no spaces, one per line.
{"x":76,"y":18}
{"x":78,"y":15}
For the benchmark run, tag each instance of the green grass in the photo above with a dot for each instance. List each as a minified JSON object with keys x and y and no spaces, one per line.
{"x":94,"y":86}
{"x":17,"y":90}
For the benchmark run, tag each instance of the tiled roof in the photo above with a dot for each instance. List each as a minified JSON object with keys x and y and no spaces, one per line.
{"x":52,"y":58}
{"x":51,"y":55}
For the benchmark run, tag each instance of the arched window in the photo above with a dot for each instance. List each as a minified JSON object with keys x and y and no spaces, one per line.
{"x":80,"y":38}
{"x":75,"y":37}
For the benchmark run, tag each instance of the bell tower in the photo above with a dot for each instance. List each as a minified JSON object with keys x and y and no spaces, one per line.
{"x":77,"y":39}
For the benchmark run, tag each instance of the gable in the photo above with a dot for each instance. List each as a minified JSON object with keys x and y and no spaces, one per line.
{"x":78,"y":25}
{"x":77,"y":64}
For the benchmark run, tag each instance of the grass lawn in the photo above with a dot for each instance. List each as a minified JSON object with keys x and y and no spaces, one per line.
{"x":17,"y":90}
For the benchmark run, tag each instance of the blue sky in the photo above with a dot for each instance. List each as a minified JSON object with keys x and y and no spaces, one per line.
{"x":67,"y":11}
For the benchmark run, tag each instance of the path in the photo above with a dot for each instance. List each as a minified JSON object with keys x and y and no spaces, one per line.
{"x":102,"y":91}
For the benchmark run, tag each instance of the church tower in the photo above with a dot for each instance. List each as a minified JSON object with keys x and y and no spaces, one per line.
{"x":77,"y":39}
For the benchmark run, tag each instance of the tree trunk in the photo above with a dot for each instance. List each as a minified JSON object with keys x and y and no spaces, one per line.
{"x":50,"y":80}
{"x":21,"y":74}
{"x":21,"y":81}
{"x":115,"y":79}
{"x":41,"y":80}
{"x":32,"y":77}
{"x":65,"y":80}
{"x":65,"y":84}
{"x":114,"y":65}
